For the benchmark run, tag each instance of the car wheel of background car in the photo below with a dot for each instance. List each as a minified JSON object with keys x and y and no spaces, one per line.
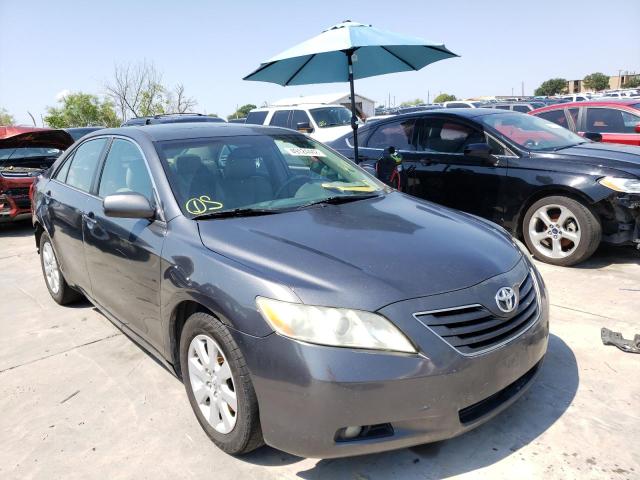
{"x":561,"y":231}
{"x":60,"y":291}
{"x":218,"y":385}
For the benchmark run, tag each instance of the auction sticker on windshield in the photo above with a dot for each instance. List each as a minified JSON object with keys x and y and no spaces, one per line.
{"x":305,"y":152}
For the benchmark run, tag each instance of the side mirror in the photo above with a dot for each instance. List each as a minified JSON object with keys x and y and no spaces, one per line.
{"x":478,"y":150}
{"x":128,"y":205}
{"x":304,"y":127}
{"x":637,"y":128}
{"x":593,"y":136}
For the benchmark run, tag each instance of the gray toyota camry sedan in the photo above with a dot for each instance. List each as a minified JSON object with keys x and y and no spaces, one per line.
{"x":302,"y":302}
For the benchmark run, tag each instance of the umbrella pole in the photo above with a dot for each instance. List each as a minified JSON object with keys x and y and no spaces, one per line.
{"x":354,"y":119}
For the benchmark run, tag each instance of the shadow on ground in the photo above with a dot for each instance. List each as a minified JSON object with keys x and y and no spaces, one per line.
{"x":611,"y":255}
{"x":22,"y":228}
{"x":520,"y":425}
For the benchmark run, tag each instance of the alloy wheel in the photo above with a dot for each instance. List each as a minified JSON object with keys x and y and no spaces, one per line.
{"x":554,"y":231}
{"x":51,"y":269}
{"x":212,"y":383}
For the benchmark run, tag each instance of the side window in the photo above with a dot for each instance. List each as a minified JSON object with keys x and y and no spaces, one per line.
{"x":521,"y":108}
{"x":573,"y":113}
{"x":125,"y":171}
{"x":555,"y":116}
{"x":280,"y":119}
{"x":61,"y":174}
{"x":256,"y":118}
{"x":84,"y":164}
{"x":398,"y":134}
{"x":299,"y":116}
{"x":503,"y":107}
{"x":605,"y":120}
{"x":630,"y":121}
{"x":446,"y":136}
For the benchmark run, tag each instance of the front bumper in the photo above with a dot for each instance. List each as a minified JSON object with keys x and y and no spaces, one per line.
{"x":308,"y":393}
{"x":621,"y":219}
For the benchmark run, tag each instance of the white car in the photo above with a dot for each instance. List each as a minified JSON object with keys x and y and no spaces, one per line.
{"x":463,"y":104}
{"x":577,"y":98}
{"x":321,"y":122}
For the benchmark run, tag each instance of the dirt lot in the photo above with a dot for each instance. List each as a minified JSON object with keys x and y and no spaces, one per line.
{"x":80,"y":400}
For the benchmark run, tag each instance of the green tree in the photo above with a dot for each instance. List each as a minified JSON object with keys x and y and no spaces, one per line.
{"x":444,"y":97}
{"x":6,"y":118}
{"x":551,"y":87}
{"x":242,"y":112}
{"x":411,"y":103}
{"x":82,"y":110}
{"x":633,"y":82}
{"x":596,"y":81}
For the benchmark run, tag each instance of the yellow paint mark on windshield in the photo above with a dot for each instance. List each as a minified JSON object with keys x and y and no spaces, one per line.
{"x":348,"y":188}
{"x":202,"y":204}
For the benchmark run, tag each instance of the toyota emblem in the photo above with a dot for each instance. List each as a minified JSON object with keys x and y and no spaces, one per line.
{"x":507,"y":299}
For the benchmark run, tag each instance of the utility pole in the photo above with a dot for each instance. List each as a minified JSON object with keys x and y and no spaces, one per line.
{"x":523,"y":88}
{"x":428,"y":97}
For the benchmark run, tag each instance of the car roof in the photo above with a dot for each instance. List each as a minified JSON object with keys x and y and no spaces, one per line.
{"x":614,"y":102}
{"x":176,"y":131}
{"x":468,"y":113}
{"x":302,"y":106}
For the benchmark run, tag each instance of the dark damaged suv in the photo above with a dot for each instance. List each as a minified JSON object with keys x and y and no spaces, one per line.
{"x":302,"y":302}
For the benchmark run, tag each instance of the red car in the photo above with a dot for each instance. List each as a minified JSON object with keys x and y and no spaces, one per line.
{"x":24,"y":153}
{"x":618,"y":121}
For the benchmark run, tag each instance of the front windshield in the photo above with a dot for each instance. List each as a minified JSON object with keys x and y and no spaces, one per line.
{"x":531,"y":133}
{"x":27,"y":153}
{"x":331,"y":116}
{"x":269,"y":173}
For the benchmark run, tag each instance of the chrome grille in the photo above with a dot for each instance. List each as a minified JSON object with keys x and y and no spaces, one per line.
{"x":473,"y":329}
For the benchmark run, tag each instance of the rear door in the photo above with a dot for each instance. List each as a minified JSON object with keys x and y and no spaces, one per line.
{"x":66,"y":198}
{"x":123,"y":254}
{"x":397,"y":133}
{"x":281,"y":118}
{"x":616,"y":125}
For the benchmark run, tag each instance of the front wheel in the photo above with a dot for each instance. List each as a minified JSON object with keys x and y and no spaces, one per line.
{"x":218,"y":385}
{"x":561,"y":231}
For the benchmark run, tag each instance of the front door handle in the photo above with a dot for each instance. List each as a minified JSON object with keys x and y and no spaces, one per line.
{"x":90,"y":218}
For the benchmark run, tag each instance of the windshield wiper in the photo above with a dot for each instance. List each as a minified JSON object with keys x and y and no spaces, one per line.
{"x":237,"y":212}
{"x":568,"y":146}
{"x":339,"y":199}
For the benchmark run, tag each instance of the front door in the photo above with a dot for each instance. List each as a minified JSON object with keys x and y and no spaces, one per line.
{"x":123,"y":254}
{"x":446,"y":175}
{"x":614,"y":124}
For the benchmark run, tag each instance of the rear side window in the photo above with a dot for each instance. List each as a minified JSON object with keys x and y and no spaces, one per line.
{"x":84,"y":164}
{"x":280,"y":119}
{"x":397,"y":134}
{"x":256,"y":118}
{"x":555,"y":116}
{"x":125,"y":171}
{"x":61,"y":174}
{"x":503,"y":107}
{"x":521,"y":108}
{"x":610,"y":120}
{"x":299,"y":116}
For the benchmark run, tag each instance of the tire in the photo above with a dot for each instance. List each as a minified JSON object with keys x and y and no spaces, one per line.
{"x":54,"y":279}
{"x":569,"y":234}
{"x":246,"y":434}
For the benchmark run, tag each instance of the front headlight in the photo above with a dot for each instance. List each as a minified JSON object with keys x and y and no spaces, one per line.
{"x":624,"y":185}
{"x":340,"y":327}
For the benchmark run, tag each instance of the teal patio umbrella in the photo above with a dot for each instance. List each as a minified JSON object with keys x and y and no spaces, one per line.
{"x":345,"y":52}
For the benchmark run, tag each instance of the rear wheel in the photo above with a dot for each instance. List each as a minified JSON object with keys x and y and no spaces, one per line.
{"x":561,"y":231}
{"x":58,"y":288}
{"x":218,"y":385}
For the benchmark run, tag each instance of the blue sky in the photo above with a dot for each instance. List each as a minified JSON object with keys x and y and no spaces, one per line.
{"x":50,"y":46}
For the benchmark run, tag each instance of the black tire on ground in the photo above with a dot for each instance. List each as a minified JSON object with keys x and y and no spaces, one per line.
{"x":65,"y":294}
{"x":589,"y":224}
{"x":247,"y":433}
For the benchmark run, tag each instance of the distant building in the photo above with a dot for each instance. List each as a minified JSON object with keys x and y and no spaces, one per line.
{"x":365,"y":106}
{"x":615,"y":82}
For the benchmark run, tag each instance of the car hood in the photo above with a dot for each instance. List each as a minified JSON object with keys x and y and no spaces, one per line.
{"x":368,"y":253}
{"x":605,"y":155}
